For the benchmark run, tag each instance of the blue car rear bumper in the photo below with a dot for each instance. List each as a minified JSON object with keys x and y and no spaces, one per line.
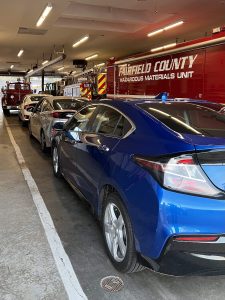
{"x":169,"y":214}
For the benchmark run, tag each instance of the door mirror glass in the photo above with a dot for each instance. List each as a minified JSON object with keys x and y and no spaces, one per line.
{"x":30,"y":109}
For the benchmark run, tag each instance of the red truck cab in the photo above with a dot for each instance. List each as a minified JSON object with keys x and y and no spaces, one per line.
{"x":13,"y":95}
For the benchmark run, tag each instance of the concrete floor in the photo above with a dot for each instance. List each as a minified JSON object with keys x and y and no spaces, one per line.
{"x":27,"y":267}
{"x":82,"y":239}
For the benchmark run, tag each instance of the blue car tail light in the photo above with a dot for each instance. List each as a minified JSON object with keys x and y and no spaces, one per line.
{"x":180,"y":173}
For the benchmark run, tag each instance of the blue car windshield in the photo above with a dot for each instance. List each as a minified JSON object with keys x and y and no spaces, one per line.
{"x":189,"y":118}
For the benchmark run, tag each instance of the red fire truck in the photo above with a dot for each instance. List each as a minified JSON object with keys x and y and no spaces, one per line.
{"x":89,"y":84}
{"x":13,"y":95}
{"x":194,"y":69}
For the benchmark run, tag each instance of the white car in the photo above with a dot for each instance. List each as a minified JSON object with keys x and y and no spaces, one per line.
{"x":50,"y":114}
{"x":27,"y":105}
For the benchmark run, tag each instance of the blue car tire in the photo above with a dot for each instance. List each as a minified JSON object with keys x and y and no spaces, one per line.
{"x":118,"y":235}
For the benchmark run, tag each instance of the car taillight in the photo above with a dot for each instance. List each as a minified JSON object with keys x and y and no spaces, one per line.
{"x":56,"y":114}
{"x":180,"y":173}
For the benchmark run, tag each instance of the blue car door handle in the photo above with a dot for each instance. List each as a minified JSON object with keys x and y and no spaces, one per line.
{"x":103,"y":148}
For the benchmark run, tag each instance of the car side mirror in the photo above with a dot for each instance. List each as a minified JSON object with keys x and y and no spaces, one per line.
{"x":30,"y":109}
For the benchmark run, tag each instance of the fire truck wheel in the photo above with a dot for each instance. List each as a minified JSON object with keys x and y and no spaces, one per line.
{"x":6,"y":112}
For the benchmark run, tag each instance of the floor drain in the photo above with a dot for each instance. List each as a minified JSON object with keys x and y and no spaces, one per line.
{"x":112,"y":284}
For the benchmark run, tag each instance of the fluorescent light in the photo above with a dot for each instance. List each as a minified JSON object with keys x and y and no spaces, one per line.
{"x":12,"y":66}
{"x":20,"y":52}
{"x":155,"y":32}
{"x":31,"y":70}
{"x":82,"y":40}
{"x":99,"y":65}
{"x":45,"y":62}
{"x":44,"y":14}
{"x":165,"y":28}
{"x":91,"y":57}
{"x":170,"y":45}
{"x":156,"y":49}
{"x":174,"y":25}
{"x":163,"y":47}
{"x":61,"y":68}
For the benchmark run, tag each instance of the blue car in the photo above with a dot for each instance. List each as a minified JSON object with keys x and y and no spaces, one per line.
{"x":154,"y":174}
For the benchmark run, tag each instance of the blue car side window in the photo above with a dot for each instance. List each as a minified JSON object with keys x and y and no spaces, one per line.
{"x":80,"y":120}
{"x":110,"y":122}
{"x":106,"y":121}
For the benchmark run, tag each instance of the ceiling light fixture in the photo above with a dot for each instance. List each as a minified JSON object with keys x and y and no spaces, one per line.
{"x":156,"y":49}
{"x":164,"y":47}
{"x":155,"y":32}
{"x":61,"y":68}
{"x":12,"y":66}
{"x":170,"y":45}
{"x":45,"y":62}
{"x":44,"y":14}
{"x":82,"y":40}
{"x":174,"y":25}
{"x":20,"y":52}
{"x":99,"y":65}
{"x":165,"y":28}
{"x":91,"y":57}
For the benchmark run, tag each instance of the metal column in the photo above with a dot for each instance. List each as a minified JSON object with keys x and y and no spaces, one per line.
{"x":43,"y":80}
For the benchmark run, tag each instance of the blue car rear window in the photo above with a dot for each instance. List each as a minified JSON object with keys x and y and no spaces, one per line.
{"x":190,"y":118}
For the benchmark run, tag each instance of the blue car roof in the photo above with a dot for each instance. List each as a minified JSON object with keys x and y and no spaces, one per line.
{"x":134,"y":101}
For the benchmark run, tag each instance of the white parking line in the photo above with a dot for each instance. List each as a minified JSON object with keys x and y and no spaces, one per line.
{"x":66,"y":271}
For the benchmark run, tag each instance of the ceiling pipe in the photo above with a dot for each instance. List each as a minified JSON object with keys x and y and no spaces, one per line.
{"x":50,"y":63}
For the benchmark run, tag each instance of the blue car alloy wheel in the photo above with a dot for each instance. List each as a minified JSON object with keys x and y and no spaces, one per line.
{"x":153,"y":172}
{"x":118,"y":235}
